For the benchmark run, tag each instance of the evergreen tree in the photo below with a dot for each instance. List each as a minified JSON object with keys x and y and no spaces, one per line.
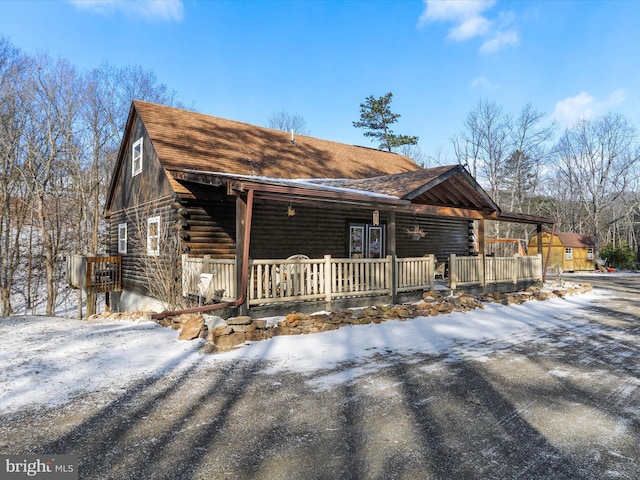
{"x":376,"y":117}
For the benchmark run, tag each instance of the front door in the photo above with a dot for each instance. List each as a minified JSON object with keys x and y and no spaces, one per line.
{"x":366,"y":240}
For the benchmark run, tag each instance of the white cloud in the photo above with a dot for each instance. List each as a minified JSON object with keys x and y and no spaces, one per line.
{"x":583,"y":106}
{"x":469,"y":22}
{"x":469,"y":28}
{"x":482,"y":82}
{"x":163,"y":10}
{"x":499,"y":41}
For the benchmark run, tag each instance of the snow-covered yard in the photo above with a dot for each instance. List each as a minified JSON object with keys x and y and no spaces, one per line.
{"x":546,"y":389}
{"x":48,"y":361}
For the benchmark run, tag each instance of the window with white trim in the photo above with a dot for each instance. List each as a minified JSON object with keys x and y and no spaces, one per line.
{"x":589,"y":253}
{"x":568,"y":254}
{"x":122,"y":238}
{"x":136,"y":157}
{"x":153,"y":236}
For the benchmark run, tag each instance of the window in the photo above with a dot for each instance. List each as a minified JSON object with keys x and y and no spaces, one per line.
{"x":122,"y":238}
{"x":589,"y":253}
{"x":568,"y":254}
{"x":136,"y":157}
{"x":153,"y":236}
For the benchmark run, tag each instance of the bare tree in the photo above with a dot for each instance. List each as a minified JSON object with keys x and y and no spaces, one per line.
{"x":54,"y":104}
{"x":13,"y":197}
{"x":598,"y":163}
{"x":485,"y":143}
{"x":529,"y":137}
{"x":288,"y":122}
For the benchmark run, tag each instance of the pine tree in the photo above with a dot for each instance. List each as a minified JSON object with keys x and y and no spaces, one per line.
{"x":376,"y":117}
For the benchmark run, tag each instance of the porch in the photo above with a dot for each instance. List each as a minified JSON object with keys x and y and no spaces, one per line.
{"x":320,"y":282}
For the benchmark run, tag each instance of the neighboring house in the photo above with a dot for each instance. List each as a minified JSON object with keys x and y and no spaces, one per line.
{"x":570,"y":252}
{"x":264,"y":209}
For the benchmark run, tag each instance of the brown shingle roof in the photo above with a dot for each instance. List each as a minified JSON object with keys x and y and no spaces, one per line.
{"x":575,"y":240}
{"x":448,"y":185}
{"x":189,"y":140}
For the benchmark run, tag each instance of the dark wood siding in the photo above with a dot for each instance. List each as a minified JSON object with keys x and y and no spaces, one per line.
{"x":318,"y":231}
{"x":147,"y":186}
{"x":209,"y":225}
{"x":134,"y":276}
{"x":444,"y":236}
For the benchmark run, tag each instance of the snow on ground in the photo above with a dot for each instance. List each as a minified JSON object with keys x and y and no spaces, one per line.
{"x":48,"y":361}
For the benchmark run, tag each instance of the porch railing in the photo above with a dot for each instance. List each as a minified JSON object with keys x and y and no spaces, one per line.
{"x":273,"y":281}
{"x":482,"y":270}
{"x":317,"y":279}
{"x":415,"y":273}
{"x":209,"y":278}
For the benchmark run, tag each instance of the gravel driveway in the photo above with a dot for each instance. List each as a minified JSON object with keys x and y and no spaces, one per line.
{"x":565,"y":406}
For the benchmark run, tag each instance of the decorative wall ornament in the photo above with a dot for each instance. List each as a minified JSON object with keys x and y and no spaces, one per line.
{"x":415,"y":232}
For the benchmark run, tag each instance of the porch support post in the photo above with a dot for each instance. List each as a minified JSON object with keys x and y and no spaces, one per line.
{"x":481,"y":251}
{"x":481,"y":242}
{"x":391,"y":252}
{"x":241,"y":215}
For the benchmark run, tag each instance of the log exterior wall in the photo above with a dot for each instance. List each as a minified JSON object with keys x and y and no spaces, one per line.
{"x":314,"y":230}
{"x":134,"y":276}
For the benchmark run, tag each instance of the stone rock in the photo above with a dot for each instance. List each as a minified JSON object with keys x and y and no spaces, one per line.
{"x":256,"y":336}
{"x":242,"y":320}
{"x":192,"y":328}
{"x":229,"y":341}
{"x":292,"y":320}
{"x":260,"y":324}
{"x":222,"y":330}
{"x":243,"y":328}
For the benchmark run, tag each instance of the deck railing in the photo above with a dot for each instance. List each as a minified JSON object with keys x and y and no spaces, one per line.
{"x":95,"y":273}
{"x":304,"y":279}
{"x":415,"y":273}
{"x":212,"y":279}
{"x":481,"y":270}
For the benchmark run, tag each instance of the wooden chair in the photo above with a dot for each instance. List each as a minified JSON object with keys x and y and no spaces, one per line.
{"x":292,"y":274}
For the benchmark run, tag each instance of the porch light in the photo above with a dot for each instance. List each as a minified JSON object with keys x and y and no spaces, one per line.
{"x":290,"y":211}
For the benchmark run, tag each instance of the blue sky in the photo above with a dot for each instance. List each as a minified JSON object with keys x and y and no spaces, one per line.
{"x":243,"y":60}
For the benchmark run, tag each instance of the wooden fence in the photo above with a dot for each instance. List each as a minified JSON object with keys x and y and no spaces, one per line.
{"x":481,"y":270}
{"x":324,"y":279}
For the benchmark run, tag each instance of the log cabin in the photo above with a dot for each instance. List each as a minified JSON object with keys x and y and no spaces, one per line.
{"x":245,"y":219}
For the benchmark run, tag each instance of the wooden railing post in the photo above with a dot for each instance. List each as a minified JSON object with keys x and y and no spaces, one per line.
{"x":431,"y":271}
{"x":483,"y":278}
{"x":327,"y":278}
{"x":392,"y":276}
{"x":453,"y":274}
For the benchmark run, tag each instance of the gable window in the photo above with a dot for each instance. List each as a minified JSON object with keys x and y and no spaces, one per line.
{"x":589,"y":253}
{"x":136,"y":157}
{"x":122,"y":238}
{"x":568,"y":254}
{"x":153,"y":236}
